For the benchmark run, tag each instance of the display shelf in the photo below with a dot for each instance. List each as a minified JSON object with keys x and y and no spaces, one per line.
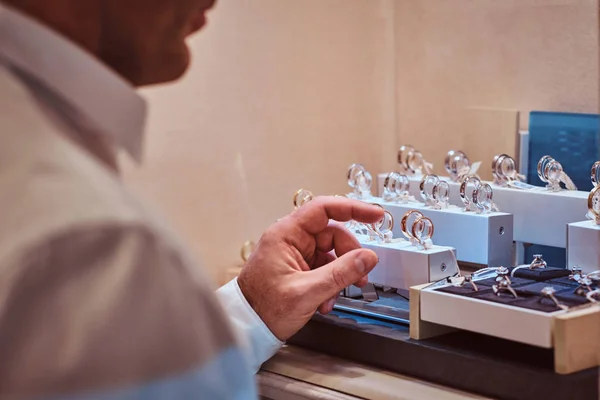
{"x":402,"y":265}
{"x":540,"y":216}
{"x":484,"y":239}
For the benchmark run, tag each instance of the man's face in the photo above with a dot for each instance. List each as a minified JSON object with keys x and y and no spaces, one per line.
{"x":144,"y":40}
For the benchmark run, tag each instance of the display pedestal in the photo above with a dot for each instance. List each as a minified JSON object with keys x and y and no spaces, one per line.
{"x":583,"y":239}
{"x":484,"y":239}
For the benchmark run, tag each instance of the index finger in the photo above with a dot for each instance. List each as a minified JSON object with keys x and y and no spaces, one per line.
{"x":314,"y":216}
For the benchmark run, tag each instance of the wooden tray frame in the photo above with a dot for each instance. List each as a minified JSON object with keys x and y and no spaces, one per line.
{"x":576,"y":334}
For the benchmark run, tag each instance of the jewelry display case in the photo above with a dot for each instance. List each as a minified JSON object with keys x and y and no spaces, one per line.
{"x":544,"y":318}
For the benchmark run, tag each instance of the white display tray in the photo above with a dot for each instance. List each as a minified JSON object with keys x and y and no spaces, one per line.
{"x":540,"y":216}
{"x":495,"y":319}
{"x":485,"y":239}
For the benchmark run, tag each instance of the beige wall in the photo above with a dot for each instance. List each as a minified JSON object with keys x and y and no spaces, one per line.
{"x":283,"y":94}
{"x":502,"y":56}
{"x":286,"y":94}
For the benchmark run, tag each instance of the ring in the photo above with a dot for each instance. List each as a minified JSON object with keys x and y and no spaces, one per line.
{"x":458,"y":163}
{"x":538,"y":262}
{"x":389,"y":185}
{"x":433,"y":179}
{"x":402,"y":185}
{"x":596,"y":173}
{"x":364,"y":181}
{"x":385,"y":225}
{"x":496,"y":170}
{"x":403,"y":154}
{"x":484,"y":203}
{"x":247,"y":250}
{"x":553,"y":171}
{"x":584,"y":286}
{"x":576,"y":273}
{"x":404,"y":221}
{"x":461,"y":281}
{"x":504,"y":168}
{"x":353,"y":172}
{"x":591,"y":295}
{"x":452,"y":154}
{"x":504,"y":285}
{"x":414,"y":161}
{"x":541,"y":167}
{"x":593,"y":202}
{"x":302,"y":197}
{"x":548,"y":292}
{"x":463,"y":190}
{"x":422,"y":229}
{"x":441,"y":192}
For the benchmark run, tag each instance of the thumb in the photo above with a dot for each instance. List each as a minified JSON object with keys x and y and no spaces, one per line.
{"x":332,"y":278}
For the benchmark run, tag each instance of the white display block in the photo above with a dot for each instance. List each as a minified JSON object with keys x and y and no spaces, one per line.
{"x":583,"y":246}
{"x":485,"y":239}
{"x":402,"y":265}
{"x":540,"y":216}
{"x":517,"y":324}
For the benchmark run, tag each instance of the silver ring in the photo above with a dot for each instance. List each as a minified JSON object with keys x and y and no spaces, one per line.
{"x":576,"y":273}
{"x":441,"y":192}
{"x":411,"y":165}
{"x":484,"y":203}
{"x":504,"y":168}
{"x":364,"y":181}
{"x":548,"y":292}
{"x":402,"y":185}
{"x":449,"y":157}
{"x":467,"y":199}
{"x":542,"y":166}
{"x":553,"y":172}
{"x":389,"y":186}
{"x":353,"y":172}
{"x":596,"y":173}
{"x":538,"y":262}
{"x":403,"y":155}
{"x":426,"y":194}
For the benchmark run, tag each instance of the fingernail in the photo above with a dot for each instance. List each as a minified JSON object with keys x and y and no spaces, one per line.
{"x":361,"y":266}
{"x":365,"y":261}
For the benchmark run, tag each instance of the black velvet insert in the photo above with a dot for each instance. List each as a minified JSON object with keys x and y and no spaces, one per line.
{"x":515,"y":282}
{"x":466,"y":290}
{"x":528,"y":292}
{"x":541,"y":274}
{"x":536,"y":288}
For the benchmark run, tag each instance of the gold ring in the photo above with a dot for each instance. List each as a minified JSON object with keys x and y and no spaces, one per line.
{"x":419,"y":226}
{"x":247,"y":250}
{"x":302,"y":197}
{"x":404,"y":220}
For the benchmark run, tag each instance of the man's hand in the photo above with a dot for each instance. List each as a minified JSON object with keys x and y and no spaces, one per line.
{"x":303,"y":261}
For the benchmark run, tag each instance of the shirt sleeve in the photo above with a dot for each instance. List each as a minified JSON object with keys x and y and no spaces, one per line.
{"x":258,"y":342}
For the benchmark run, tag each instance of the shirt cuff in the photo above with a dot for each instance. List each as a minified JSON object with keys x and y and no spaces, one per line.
{"x":256,"y":338}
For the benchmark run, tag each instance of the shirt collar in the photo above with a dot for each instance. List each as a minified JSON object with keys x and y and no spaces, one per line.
{"x":99,"y":94}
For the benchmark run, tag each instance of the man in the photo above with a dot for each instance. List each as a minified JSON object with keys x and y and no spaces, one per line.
{"x":98,"y":299}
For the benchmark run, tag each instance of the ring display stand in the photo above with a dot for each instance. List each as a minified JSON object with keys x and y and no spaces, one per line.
{"x":583,"y":240}
{"x":541,"y":216}
{"x":484,"y":239}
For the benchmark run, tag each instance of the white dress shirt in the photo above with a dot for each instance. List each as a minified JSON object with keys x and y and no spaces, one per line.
{"x":97,"y":295}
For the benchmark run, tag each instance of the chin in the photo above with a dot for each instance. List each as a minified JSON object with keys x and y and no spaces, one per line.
{"x":167,"y":68}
